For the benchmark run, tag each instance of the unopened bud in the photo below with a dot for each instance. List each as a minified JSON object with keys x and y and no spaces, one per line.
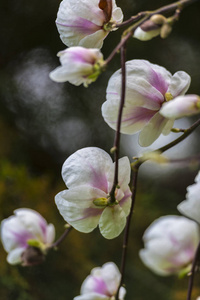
{"x":158,"y":19}
{"x":165,"y":30}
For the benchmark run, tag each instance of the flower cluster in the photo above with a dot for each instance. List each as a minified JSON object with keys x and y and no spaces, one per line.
{"x":102,"y":284}
{"x":26,"y":236}
{"x":88,"y":175}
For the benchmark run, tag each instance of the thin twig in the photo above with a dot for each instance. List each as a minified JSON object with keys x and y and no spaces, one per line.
{"x":191,"y":279}
{"x":117,"y":135}
{"x":126,"y":233}
{"x":128,"y":33}
{"x":63,"y":236}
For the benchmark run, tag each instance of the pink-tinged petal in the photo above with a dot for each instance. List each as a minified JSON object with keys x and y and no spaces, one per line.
{"x":88,"y":9}
{"x":142,"y":87}
{"x":157,"y":76}
{"x":87,"y":166}
{"x":14,"y":256}
{"x":33,"y":222}
{"x":181,"y":106}
{"x":112,"y":222}
{"x":77,"y":208}
{"x":179,"y":84}
{"x":133,"y":118}
{"x":111,"y":275}
{"x":124,"y":173}
{"x":92,"y":296}
{"x":152,"y":130}
{"x":13,"y":234}
{"x":95,"y":284}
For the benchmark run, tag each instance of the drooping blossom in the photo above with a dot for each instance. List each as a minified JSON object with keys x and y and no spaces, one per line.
{"x":88,"y":175}
{"x":191,"y":206}
{"x":78,"y":65}
{"x":170,"y":245}
{"x":148,"y":87}
{"x":102,"y":284}
{"x":182,"y":106}
{"x":25,"y":236}
{"x":86,"y":23}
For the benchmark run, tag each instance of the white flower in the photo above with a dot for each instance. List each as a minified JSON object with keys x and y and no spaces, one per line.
{"x":84,"y":23}
{"x":27,"y":227}
{"x":191,"y":206}
{"x":147,"y":31}
{"x":102,"y":284}
{"x":170,"y":244}
{"x":88,"y":174}
{"x":181,"y":106}
{"x":78,"y":65}
{"x":148,"y":87}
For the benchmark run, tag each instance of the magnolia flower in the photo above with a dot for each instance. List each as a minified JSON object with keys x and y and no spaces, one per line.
{"x":148,"y":87}
{"x":170,"y":245}
{"x":86,"y":23}
{"x":191,"y":206}
{"x":182,"y":106}
{"x":78,"y":65}
{"x":89,"y":174}
{"x":26,"y":236}
{"x":102,"y":284}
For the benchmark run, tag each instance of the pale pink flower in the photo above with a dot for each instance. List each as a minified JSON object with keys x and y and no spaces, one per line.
{"x":84,"y":23}
{"x":88,"y":175}
{"x":27,"y":227}
{"x":181,"y":106}
{"x":191,"y":206}
{"x":148,"y":87}
{"x":78,"y":65}
{"x":170,"y":245}
{"x":102,"y":284}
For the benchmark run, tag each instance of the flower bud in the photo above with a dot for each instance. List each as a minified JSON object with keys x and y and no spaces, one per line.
{"x":165,"y":30}
{"x":181,"y":106}
{"x":78,"y":65}
{"x":26,"y":236}
{"x":170,"y":245}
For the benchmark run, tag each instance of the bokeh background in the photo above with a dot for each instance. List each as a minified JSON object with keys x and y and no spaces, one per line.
{"x":42,"y":123}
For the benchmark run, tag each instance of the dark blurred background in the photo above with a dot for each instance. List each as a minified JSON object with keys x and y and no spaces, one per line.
{"x":43,"y":122}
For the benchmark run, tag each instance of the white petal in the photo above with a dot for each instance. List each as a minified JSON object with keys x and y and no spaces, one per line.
{"x":87,"y":166}
{"x":14,"y":256}
{"x":111,"y":275}
{"x":152,"y":130}
{"x":50,"y":236}
{"x":145,"y":35}
{"x":112,"y":222}
{"x":179,"y":84}
{"x":77,"y":208}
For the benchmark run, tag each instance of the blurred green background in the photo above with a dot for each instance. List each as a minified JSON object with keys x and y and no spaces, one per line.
{"x":43,"y":122}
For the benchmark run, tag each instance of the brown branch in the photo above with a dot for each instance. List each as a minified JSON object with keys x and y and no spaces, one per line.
{"x":191,"y":279}
{"x":63,"y":236}
{"x":117,"y":135}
